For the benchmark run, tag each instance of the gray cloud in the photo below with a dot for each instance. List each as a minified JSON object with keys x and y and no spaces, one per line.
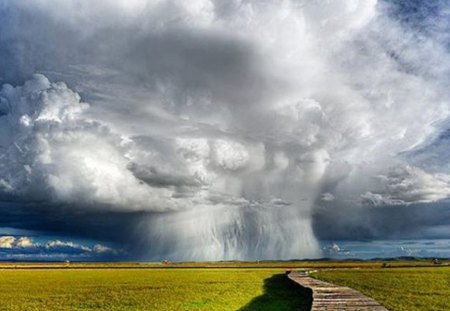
{"x":152,"y":177}
{"x":415,"y":221}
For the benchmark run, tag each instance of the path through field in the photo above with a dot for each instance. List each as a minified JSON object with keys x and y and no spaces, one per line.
{"x":330,"y":297}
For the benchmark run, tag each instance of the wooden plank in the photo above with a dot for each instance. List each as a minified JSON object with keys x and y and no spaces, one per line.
{"x":330,"y":297}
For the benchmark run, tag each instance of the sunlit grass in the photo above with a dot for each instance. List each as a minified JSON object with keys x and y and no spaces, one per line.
{"x":398,"y":289}
{"x":205,"y":286}
{"x":145,"y":289}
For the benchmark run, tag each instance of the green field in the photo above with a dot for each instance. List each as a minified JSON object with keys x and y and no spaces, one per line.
{"x":399,"y":289}
{"x":218,"y":286}
{"x":150,"y":289}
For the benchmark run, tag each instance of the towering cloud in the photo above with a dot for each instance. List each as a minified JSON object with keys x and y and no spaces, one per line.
{"x":224,"y":127}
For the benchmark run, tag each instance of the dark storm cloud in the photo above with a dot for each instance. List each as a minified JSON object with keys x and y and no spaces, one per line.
{"x":152,"y":177}
{"x":387,"y":222}
{"x":429,"y":17}
{"x":194,"y":60}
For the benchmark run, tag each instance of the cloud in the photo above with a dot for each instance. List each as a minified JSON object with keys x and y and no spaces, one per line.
{"x":230,"y":155}
{"x":327,"y":197}
{"x":99,"y":248}
{"x":14,"y":247}
{"x":334,"y":250}
{"x":48,"y":152}
{"x":154,"y":178}
{"x":67,"y":246}
{"x":7,"y":241}
{"x":387,"y":249}
{"x":221,"y":129}
{"x":408,"y":185}
{"x":24,"y":242}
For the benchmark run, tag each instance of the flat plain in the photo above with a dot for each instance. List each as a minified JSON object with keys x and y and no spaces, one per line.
{"x":213,"y":286}
{"x":149,"y":289}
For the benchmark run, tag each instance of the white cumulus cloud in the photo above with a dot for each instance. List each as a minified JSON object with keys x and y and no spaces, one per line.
{"x":408,"y":185}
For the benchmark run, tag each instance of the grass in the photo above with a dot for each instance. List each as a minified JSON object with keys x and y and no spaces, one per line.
{"x":213,"y":286}
{"x":399,"y":289}
{"x":150,"y":289}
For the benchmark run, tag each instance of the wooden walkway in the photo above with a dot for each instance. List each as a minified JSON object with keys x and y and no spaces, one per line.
{"x":331,"y":297}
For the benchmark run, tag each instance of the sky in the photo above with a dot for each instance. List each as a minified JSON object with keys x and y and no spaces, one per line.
{"x":224,"y":130}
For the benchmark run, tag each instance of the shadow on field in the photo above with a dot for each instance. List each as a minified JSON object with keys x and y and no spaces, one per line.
{"x":281,"y":294}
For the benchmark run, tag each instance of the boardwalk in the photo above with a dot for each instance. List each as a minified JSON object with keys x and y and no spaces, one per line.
{"x":331,"y":297}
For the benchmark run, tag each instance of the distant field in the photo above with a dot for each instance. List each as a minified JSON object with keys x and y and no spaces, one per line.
{"x":224,"y":264}
{"x":150,"y":289}
{"x":405,"y":289}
